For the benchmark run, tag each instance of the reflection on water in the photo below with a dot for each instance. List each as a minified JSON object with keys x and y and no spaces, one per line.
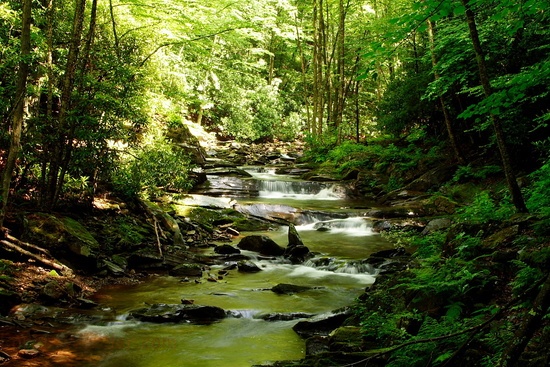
{"x":340,"y":240}
{"x":229,"y":343}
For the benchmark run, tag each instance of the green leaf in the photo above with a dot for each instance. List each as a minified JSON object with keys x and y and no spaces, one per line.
{"x":443,"y":357}
{"x":459,"y":10}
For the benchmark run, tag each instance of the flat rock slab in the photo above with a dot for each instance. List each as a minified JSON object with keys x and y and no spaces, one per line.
{"x":284,"y":288}
{"x":164,"y":313}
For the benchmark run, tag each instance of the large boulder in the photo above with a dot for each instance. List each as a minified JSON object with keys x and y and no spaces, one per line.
{"x":226,"y":249}
{"x":248,"y":267}
{"x":284,"y":288}
{"x":65,"y":238}
{"x":296,"y":251}
{"x":262,"y":244}
{"x":186,"y":270}
{"x":163,"y":313}
{"x":436,"y":224}
{"x":322,"y":324}
{"x":182,"y":137}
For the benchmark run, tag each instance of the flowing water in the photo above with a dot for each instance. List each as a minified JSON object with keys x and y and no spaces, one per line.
{"x":328,"y":224}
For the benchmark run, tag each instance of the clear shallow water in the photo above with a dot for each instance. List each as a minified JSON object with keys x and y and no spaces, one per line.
{"x":233,"y":342}
{"x":243,"y":340}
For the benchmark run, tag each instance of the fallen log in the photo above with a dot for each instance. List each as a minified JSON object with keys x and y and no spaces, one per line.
{"x":10,"y":246}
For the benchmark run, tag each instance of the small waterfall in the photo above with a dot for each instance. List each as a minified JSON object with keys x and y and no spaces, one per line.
{"x":341,"y":266}
{"x":244,"y":314}
{"x":353,"y":226}
{"x":261,"y":173}
{"x":302,"y":190}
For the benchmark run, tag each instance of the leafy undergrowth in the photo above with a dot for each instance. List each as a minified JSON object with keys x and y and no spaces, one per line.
{"x":467,"y":294}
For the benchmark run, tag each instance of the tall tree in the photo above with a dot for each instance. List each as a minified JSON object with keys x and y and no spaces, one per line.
{"x":59,"y":158}
{"x":19,"y":110}
{"x":447,"y":117}
{"x":515,"y":192}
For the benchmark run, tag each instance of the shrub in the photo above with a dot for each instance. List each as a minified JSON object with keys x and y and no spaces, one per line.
{"x":465,"y":173}
{"x":538,"y":200}
{"x":484,"y":209}
{"x":158,"y":167}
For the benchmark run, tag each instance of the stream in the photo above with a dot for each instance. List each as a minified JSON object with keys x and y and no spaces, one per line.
{"x":335,"y":274}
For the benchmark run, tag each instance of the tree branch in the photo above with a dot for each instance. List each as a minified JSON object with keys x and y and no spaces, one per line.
{"x":166,"y":44}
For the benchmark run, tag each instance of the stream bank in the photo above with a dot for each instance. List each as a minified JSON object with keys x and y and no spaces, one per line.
{"x":193,"y":240}
{"x":185,"y":242}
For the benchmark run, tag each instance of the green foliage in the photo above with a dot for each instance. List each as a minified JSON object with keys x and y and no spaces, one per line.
{"x":402,"y":108}
{"x":469,"y":247}
{"x":150,"y":170}
{"x":319,"y":148}
{"x":450,"y":279}
{"x":423,"y":246}
{"x":256,"y":115}
{"x":467,"y":173}
{"x":538,"y":199}
{"x":484,"y":208}
{"x":130,"y":234}
{"x":381,"y":327}
{"x":525,"y":278}
{"x":346,"y":151}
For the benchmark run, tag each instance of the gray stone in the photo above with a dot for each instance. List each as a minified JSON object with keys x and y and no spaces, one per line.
{"x":294,"y":237}
{"x":436,"y":224}
{"x":226,"y":250}
{"x":262,"y":244}
{"x":163,"y":313}
{"x":284,"y":288}
{"x":322,"y":324}
{"x":186,"y":270}
{"x":113,"y":268}
{"x":248,"y":267}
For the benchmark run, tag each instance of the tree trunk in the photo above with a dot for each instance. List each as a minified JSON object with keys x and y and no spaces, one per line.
{"x":304,"y":74}
{"x":341,"y":52}
{"x":19,"y":110}
{"x":447,"y":117}
{"x":58,"y":159}
{"x":515,"y":192}
{"x":318,"y":103}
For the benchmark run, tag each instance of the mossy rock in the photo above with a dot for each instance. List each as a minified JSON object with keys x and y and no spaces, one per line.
{"x":65,"y":238}
{"x":346,"y":338}
{"x":186,"y":270}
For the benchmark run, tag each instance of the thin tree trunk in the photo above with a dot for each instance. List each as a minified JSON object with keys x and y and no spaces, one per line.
{"x":58,"y":159}
{"x":357,"y":114}
{"x":515,"y":192}
{"x":304,"y":74}
{"x":317,"y":72}
{"x":113,"y":24}
{"x":446,"y":115}
{"x":340,"y":90}
{"x":19,"y":110}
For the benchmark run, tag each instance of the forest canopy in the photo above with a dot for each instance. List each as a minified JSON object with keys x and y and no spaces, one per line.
{"x":89,"y":89}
